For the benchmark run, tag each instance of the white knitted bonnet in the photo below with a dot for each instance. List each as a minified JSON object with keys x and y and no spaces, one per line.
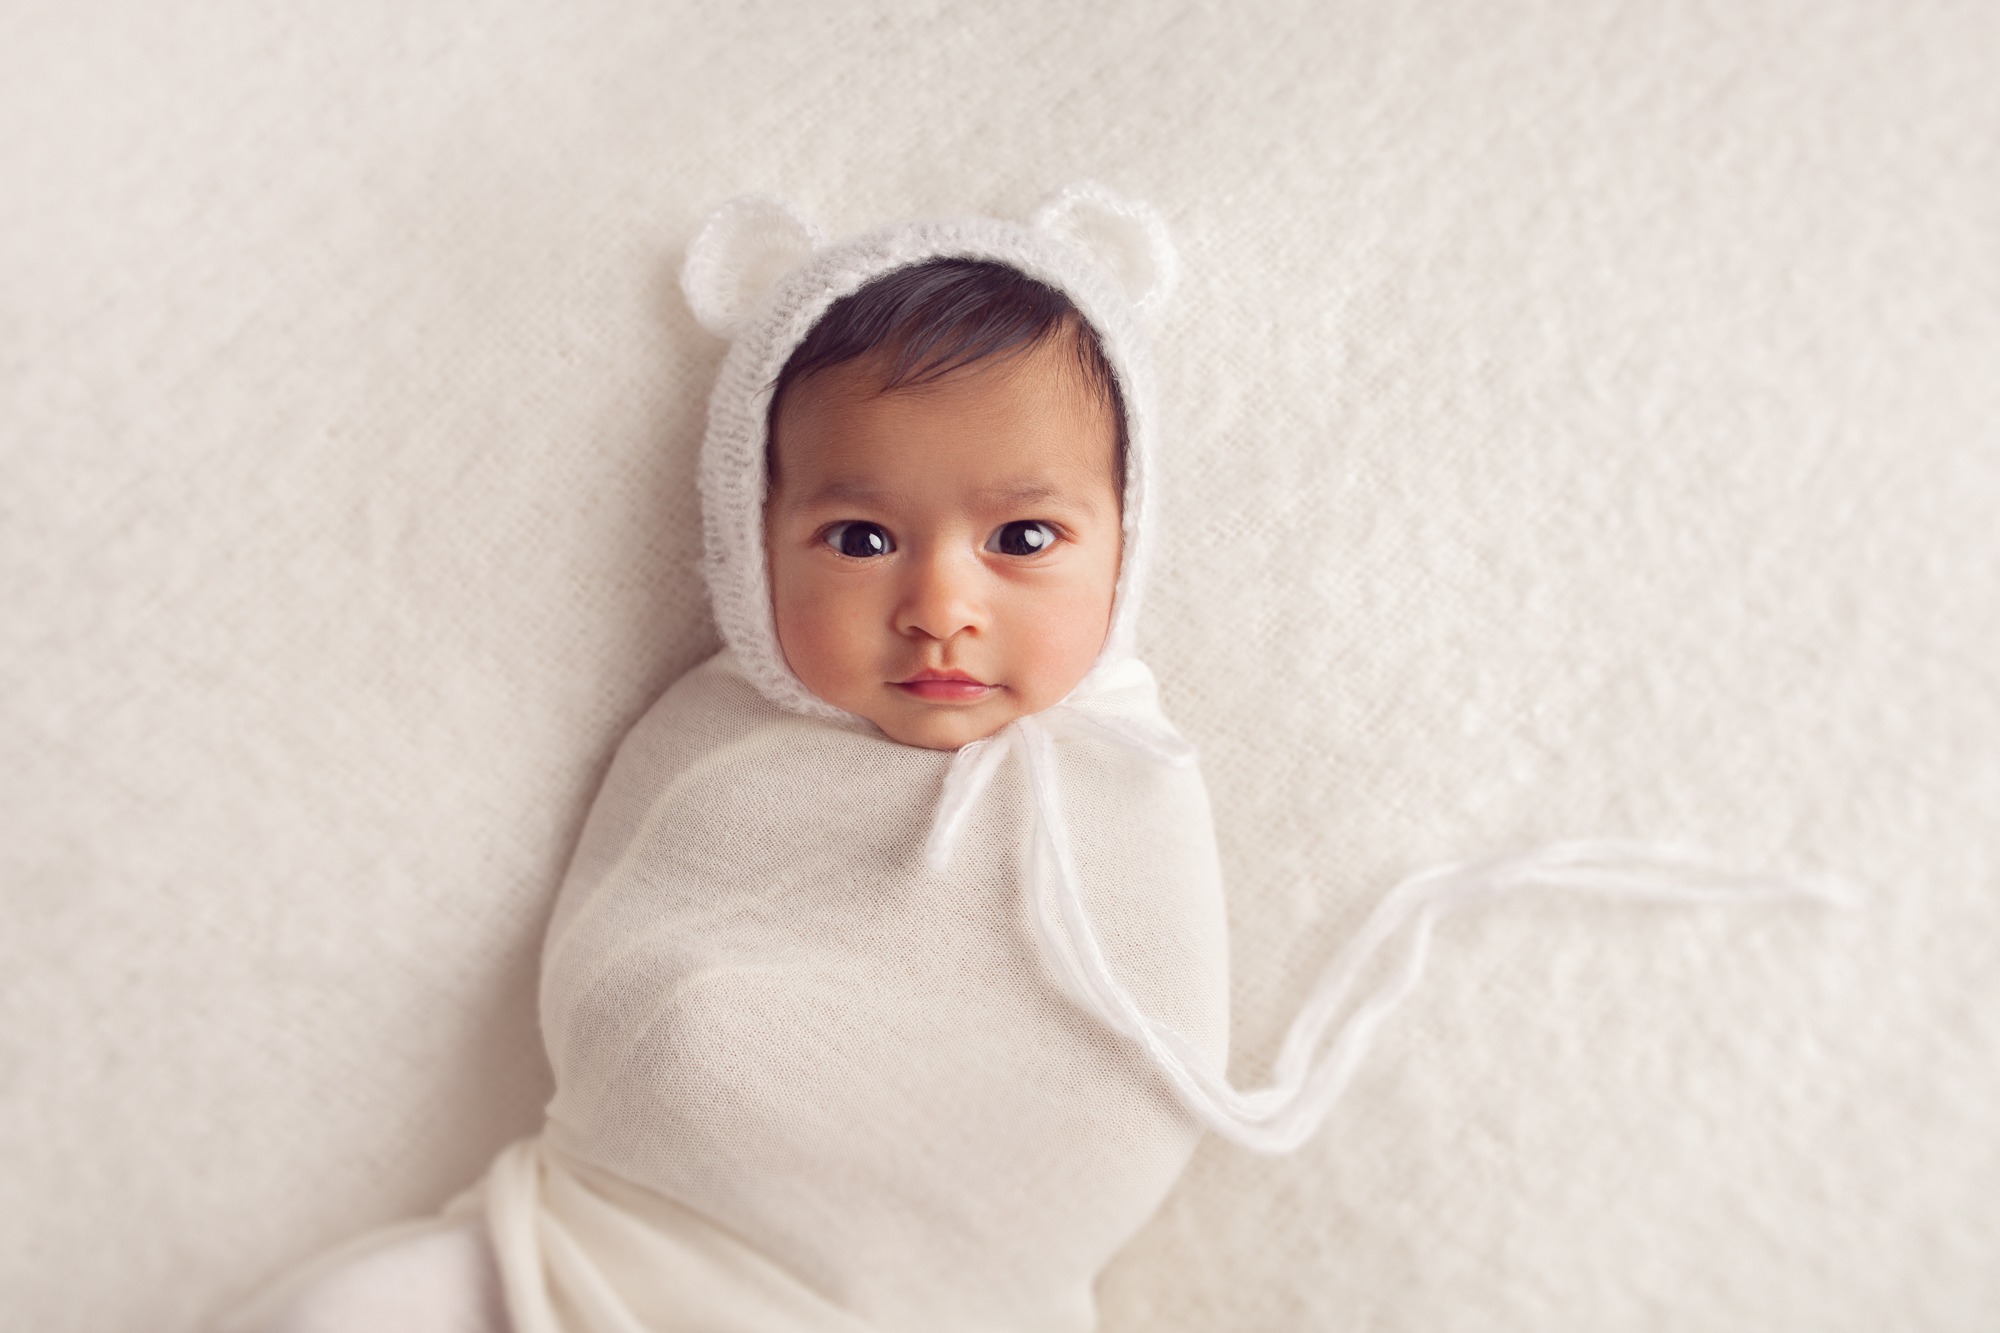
{"x":760,"y":275}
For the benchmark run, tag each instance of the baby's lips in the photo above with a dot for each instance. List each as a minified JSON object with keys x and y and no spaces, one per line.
{"x":943,"y":674}
{"x":940,"y":688}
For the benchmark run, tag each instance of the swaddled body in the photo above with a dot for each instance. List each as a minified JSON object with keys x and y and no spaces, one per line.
{"x":887,"y":989}
{"x":810,"y":991}
{"x":812,"y":1073}
{"x":826,"y":1086}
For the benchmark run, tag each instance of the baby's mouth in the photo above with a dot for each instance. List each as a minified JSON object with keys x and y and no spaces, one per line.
{"x":944,"y":686}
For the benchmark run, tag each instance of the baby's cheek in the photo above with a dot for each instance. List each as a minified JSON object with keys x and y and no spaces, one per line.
{"x":801,"y":636}
{"x":1072,"y":635}
{"x":817,"y":632}
{"x":798,"y":628}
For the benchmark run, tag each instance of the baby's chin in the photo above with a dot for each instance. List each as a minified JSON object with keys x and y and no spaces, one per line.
{"x":940,"y":733}
{"x":945,"y":728}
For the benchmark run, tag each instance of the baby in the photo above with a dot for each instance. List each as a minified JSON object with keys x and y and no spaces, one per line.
{"x":887,"y":989}
{"x":812,"y":1070}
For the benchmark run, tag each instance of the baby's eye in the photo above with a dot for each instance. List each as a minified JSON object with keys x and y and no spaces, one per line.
{"x":1028,"y":536}
{"x":857,"y":539}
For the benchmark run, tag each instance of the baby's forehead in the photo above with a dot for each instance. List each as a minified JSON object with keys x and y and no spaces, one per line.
{"x":1048,"y":374}
{"x":1049,"y":370}
{"x":1022,"y":420}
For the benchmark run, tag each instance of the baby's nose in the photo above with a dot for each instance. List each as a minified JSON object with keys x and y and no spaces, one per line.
{"x":941,"y":597}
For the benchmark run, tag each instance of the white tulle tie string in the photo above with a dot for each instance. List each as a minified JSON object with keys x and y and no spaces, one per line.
{"x":1313,"y":1068}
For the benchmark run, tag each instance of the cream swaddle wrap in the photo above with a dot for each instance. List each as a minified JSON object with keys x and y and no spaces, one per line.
{"x":807,"y":1082}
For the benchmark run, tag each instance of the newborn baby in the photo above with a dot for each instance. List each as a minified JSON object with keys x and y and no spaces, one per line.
{"x":813,"y":1068}
{"x":887,"y":989}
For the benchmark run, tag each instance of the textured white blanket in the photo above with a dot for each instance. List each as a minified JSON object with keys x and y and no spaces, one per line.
{"x":1575,"y":418}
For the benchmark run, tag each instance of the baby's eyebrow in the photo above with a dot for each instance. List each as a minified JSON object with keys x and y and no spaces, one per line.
{"x":847,"y":490}
{"x":1037,"y":492}
{"x":856,"y":491}
{"x":1021,"y":492}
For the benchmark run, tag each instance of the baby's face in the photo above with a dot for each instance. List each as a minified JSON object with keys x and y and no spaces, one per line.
{"x":943,"y":557}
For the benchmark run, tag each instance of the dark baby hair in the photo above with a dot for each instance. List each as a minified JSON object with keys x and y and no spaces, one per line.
{"x":941,"y":316}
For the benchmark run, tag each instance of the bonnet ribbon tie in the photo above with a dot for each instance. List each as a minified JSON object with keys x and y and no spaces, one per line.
{"x":1306,"y":1081}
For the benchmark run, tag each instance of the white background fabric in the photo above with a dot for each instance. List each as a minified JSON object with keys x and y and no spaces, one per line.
{"x":1575,"y":419}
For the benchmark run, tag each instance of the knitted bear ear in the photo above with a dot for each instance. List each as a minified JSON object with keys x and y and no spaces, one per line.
{"x":1124,"y":235}
{"x":738,"y":256}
